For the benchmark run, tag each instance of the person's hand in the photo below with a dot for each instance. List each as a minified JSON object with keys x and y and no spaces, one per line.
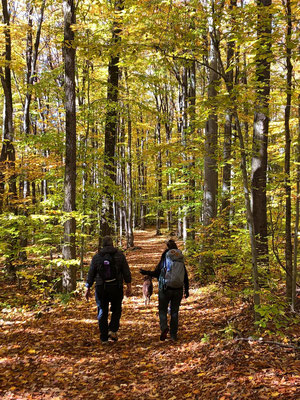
{"x":128,"y":291}
{"x":87,"y":294}
{"x":143,"y":272}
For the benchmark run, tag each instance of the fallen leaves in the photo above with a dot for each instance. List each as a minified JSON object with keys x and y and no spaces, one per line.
{"x":59,"y":357}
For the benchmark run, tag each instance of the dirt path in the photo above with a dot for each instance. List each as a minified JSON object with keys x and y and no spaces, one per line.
{"x":57,"y":354}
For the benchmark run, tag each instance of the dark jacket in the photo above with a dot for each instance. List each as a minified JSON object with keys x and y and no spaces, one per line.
{"x":122,"y":267}
{"x":159,"y":267}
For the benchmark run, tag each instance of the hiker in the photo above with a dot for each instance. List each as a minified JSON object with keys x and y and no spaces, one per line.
{"x":108,"y":269}
{"x":170,"y":287}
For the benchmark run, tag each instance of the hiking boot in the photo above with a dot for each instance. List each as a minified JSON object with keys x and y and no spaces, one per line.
{"x":104,"y":342}
{"x":173,"y":338}
{"x":163,"y":335}
{"x":113,"y":336}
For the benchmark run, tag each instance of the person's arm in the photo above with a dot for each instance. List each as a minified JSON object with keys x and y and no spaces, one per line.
{"x":158,"y":268}
{"x":126,"y":275}
{"x":186,"y":284}
{"x":90,"y":278}
{"x":128,"y":291}
{"x":87,"y":293}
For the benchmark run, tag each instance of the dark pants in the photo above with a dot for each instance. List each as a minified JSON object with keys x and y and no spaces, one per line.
{"x":105,"y":295}
{"x":172,"y":296}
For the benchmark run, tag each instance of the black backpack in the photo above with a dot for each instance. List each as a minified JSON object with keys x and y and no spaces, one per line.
{"x":107,"y":268}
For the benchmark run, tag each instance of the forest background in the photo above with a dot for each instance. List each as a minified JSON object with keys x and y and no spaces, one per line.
{"x":183,"y":115}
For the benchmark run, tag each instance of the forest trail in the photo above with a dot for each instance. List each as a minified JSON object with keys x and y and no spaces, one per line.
{"x":56,"y":354}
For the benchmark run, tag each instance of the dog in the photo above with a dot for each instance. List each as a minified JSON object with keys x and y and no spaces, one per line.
{"x":147,"y":289}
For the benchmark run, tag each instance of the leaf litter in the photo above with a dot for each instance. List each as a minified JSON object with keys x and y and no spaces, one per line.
{"x":58,"y":356}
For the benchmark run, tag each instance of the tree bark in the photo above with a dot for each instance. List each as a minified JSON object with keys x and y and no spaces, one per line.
{"x":111,"y":130}
{"x":86,"y":77}
{"x":7,"y":157}
{"x":250,"y":220}
{"x":159,"y":213}
{"x":142,"y":178}
{"x":169,"y":176}
{"x":130,"y":237}
{"x":226,"y":179}
{"x":69,"y":248}
{"x":261,"y":130}
{"x":287,"y":159}
{"x":31,"y":60}
{"x":211,"y":140}
{"x":297,"y":211}
{"x":210,"y":157}
{"x":191,"y":132}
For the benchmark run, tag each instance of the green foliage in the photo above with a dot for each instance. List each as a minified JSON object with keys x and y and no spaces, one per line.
{"x":64,"y":298}
{"x":205,"y":338}
{"x":272,"y":315}
{"x":13,"y":229}
{"x":228,"y":254}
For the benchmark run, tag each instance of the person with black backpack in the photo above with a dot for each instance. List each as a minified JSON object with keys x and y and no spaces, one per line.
{"x":172,"y":278}
{"x":108,"y":269}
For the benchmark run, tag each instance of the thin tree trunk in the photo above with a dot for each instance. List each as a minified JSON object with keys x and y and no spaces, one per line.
{"x":261,"y":130}
{"x":191,"y":133}
{"x":211,"y":139}
{"x":250,"y":220}
{"x":183,"y":124}
{"x":130,"y":237}
{"x":295,"y":264}
{"x":142,"y":173}
{"x":226,"y":184}
{"x":287,"y":159}
{"x":169,"y":178}
{"x":69,"y":248}
{"x":122,"y":178}
{"x":111,"y":130}
{"x":85,"y":169}
{"x":210,"y":158}
{"x":7,"y":157}
{"x":159,"y":178}
{"x":31,"y":60}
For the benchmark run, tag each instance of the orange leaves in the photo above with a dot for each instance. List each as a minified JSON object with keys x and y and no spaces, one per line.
{"x":58,"y":356}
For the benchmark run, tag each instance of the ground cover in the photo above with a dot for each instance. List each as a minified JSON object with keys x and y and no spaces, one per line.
{"x":53,"y":352}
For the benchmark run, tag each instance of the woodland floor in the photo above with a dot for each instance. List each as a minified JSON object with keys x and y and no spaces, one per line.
{"x":55,"y":353}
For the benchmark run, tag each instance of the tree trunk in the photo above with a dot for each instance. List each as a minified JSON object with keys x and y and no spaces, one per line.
{"x":7,"y":157}
{"x":211,"y":140}
{"x":86,"y":73}
{"x":250,"y":220}
{"x":169,"y":178}
{"x":69,"y":248}
{"x":191,"y":132}
{"x":31,"y":60}
{"x":183,"y":128}
{"x":210,"y":159}
{"x":142,"y":178}
{"x":130,"y":237}
{"x":159,"y":214}
{"x":121,"y":180}
{"x":296,"y":232}
{"x":261,"y":130}
{"x":287,"y":159}
{"x":111,"y":131}
{"x":226,"y":183}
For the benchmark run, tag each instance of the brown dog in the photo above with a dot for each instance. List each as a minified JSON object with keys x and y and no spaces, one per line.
{"x":147,"y":289}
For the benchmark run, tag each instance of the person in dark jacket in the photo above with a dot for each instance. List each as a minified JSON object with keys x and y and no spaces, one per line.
{"x":109,"y":291}
{"x":168,"y":295}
